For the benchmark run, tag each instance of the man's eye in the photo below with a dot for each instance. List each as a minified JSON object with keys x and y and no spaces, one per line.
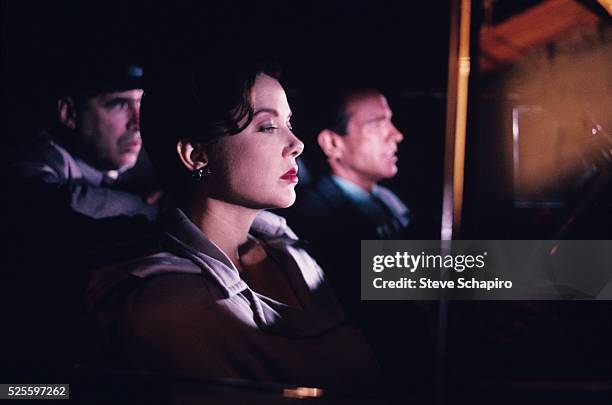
{"x":119,"y":104}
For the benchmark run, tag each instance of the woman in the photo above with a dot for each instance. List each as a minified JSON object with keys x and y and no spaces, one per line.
{"x":227,"y":291}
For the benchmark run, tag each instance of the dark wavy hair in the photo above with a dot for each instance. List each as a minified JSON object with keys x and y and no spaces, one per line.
{"x":199,"y":101}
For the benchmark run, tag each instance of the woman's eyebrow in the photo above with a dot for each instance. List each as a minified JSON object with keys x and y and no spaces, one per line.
{"x":271,"y":111}
{"x":266,"y":110}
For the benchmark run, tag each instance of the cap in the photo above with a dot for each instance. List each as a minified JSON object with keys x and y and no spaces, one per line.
{"x":100,"y":75}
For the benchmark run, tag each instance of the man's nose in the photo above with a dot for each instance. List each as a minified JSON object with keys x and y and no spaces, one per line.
{"x":396,"y":135}
{"x":133,"y":123}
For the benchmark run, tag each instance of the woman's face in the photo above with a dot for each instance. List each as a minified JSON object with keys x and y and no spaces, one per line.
{"x":256,"y":168}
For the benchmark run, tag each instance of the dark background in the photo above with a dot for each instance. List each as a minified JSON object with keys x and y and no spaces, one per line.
{"x":398,"y":47}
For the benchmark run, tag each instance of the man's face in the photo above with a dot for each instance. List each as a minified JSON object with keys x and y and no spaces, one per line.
{"x":370,"y":145}
{"x":108,"y":127}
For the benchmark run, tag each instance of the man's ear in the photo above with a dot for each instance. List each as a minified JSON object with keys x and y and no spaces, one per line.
{"x":192,"y":154}
{"x":331,"y":144}
{"x":66,"y":112}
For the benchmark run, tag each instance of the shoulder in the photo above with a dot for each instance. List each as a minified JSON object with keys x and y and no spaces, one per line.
{"x":174,"y":320}
{"x":44,"y":154}
{"x":324,"y":187}
{"x":316,"y":198}
{"x":170,"y":295}
{"x":151,"y":272}
{"x":320,"y":204}
{"x":47,"y":146}
{"x":173,"y":317}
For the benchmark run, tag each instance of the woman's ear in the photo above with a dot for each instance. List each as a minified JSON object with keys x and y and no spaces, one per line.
{"x":192,"y":154}
{"x":331,"y":143}
{"x":66,"y":112}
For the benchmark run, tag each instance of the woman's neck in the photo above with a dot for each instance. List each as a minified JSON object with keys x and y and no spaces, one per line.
{"x":227,"y":225}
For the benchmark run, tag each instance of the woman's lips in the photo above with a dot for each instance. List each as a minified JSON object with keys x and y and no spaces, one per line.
{"x":290,"y":175}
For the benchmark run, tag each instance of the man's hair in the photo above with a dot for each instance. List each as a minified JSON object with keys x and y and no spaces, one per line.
{"x":198,"y":101}
{"x":335,"y":116}
{"x":331,"y":113}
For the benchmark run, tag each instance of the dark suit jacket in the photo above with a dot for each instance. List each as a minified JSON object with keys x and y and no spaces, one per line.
{"x":333,"y":227}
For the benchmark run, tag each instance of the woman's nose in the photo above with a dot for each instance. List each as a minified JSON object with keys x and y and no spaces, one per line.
{"x":295,"y":146}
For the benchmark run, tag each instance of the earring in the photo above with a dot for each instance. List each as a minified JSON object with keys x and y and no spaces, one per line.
{"x":199,"y":174}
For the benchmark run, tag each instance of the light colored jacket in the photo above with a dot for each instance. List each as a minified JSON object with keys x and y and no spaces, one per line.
{"x":190,"y":313}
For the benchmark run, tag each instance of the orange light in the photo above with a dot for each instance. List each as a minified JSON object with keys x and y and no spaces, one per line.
{"x":302,"y":392}
{"x":607,"y":4}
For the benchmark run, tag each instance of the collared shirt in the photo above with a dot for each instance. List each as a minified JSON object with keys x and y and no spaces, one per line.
{"x":94,"y":176}
{"x":381,"y":206}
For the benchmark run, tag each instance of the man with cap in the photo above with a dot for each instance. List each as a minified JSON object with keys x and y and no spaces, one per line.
{"x":67,"y":214}
{"x":96,"y":140}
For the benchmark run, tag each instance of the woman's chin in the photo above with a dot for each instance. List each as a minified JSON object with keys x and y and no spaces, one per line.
{"x":285,"y":202}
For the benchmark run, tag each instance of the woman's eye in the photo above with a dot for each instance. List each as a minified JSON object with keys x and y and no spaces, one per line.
{"x":268,"y":128}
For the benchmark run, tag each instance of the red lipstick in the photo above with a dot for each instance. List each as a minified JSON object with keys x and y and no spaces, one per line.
{"x":290,"y":175}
